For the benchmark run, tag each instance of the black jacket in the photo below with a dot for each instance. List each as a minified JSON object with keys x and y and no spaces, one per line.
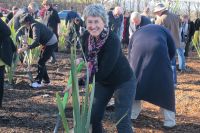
{"x":7,"y":47}
{"x":52,"y":19}
{"x":40,"y":34}
{"x":113,"y":67}
{"x":115,"y":23}
{"x":9,"y":17}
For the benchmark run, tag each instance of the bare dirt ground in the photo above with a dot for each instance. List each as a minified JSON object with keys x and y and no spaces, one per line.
{"x":28,"y":110}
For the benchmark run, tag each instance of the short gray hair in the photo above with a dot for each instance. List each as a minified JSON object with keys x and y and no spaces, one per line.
{"x":135,"y":15}
{"x":96,"y":10}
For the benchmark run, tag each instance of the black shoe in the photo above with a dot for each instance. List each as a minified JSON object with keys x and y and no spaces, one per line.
{"x":46,"y":82}
{"x":168,"y":128}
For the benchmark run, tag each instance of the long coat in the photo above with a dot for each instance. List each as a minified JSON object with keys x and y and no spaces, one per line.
{"x":7,"y":47}
{"x":150,"y":50}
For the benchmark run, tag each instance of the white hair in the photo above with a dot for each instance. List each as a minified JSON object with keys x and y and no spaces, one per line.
{"x":135,"y":15}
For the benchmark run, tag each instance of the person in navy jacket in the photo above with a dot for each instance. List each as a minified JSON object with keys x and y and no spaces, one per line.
{"x":151,"y":49}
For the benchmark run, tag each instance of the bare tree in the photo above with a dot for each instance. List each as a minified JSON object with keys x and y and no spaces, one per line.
{"x":197,"y":7}
{"x":138,"y":2}
{"x":188,"y":8}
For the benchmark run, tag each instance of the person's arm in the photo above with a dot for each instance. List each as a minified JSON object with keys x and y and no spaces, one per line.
{"x":36,"y":37}
{"x":109,"y":59}
{"x":171,"y":45}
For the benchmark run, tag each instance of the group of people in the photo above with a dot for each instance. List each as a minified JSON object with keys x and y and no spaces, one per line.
{"x":148,"y":74}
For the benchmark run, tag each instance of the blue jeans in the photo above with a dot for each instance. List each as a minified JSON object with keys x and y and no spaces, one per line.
{"x":124,"y":95}
{"x":173,"y":65}
{"x":181,"y":58}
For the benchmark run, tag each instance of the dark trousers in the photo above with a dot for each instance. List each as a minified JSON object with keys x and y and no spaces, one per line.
{"x":187,"y":48}
{"x":124,"y":95}
{"x":56,"y":48}
{"x":45,"y":54}
{"x":2,"y":69}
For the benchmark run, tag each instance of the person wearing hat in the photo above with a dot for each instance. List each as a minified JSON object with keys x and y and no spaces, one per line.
{"x":170,"y":21}
{"x":41,"y":35}
{"x":150,"y":60}
{"x":51,"y":20}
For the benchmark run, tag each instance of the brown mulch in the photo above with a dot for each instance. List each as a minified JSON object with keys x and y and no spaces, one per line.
{"x":28,"y":110}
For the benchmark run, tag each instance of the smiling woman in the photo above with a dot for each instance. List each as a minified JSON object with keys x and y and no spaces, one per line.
{"x":111,"y":69}
{"x":95,"y":25}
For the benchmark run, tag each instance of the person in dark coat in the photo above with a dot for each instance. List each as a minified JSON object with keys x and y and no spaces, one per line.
{"x":41,"y":35}
{"x":150,"y":50}
{"x":74,"y":33}
{"x":197,"y":24}
{"x":137,"y":21}
{"x":52,"y":20}
{"x":11,"y":14}
{"x":116,"y":24}
{"x":189,"y":32}
{"x":111,"y":69}
{"x":7,"y":49}
{"x":71,"y":15}
{"x":125,"y":39}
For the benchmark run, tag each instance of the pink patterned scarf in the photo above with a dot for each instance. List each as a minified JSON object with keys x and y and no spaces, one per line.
{"x":94,"y":46}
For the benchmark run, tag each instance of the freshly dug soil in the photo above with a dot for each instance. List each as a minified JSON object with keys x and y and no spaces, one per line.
{"x":28,"y":110}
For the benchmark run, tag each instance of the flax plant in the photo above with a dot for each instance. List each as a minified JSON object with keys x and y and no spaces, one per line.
{"x":196,"y":41}
{"x":81,"y":106}
{"x":62,"y":35}
{"x":10,"y":70}
{"x":29,"y":56}
{"x":174,"y":6}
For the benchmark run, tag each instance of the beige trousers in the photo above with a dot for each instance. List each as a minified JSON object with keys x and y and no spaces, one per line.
{"x":169,"y":116}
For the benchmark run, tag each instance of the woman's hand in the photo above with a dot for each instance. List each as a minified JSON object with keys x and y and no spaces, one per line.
{"x":20,"y":50}
{"x":78,"y":61}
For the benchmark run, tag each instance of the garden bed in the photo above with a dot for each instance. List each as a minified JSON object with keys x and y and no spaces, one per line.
{"x":29,"y":110}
